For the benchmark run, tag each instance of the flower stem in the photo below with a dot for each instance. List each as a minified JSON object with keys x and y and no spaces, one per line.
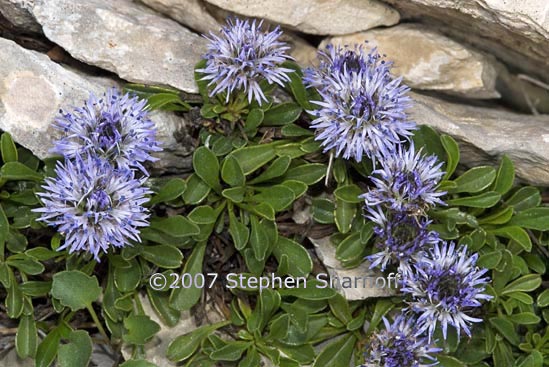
{"x":97,"y":322}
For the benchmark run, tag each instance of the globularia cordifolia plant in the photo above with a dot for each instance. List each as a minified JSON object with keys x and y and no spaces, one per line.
{"x":288,"y":163}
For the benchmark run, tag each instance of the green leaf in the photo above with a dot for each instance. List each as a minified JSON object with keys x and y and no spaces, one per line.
{"x":452,"y":155}
{"x":183,"y":347}
{"x":203,"y":215}
{"x":543,"y":299}
{"x":176,"y":226}
{"x":75,"y":289}
{"x":200,"y":81}
{"x":165,"y":256}
{"x":489,"y":260}
{"x":309,"y":173}
{"x":276,"y":169}
{"x":232,"y":173}
{"x":78,"y":350}
{"x":196,"y":190}
{"x":525,"y":198}
{"x":253,"y":157}
{"x":323,"y":211}
{"x":268,"y":303}
{"x":171,"y":190}
{"x":484,"y":200}
{"x":383,"y":306}
{"x":293,"y":130}
{"x":234,"y":194}
{"x":500,"y":217}
{"x":427,"y":138}
{"x":351,"y":248}
{"x":252,"y":359}
{"x":167,"y":102}
{"x":314,"y":291}
{"x":26,"y":264}
{"x":137,"y":363}
{"x":238,"y":231}
{"x":264,"y":210}
{"x":253,"y":120}
{"x":533,"y":218}
{"x":525,"y":318}
{"x":299,"y":188}
{"x":206,"y":166}
{"x":340,"y":308}
{"x":296,"y":85}
{"x":282,"y":114}
{"x":184,"y":298}
{"x":160,"y":301}
{"x":301,"y":264}
{"x":279,"y":197}
{"x":448,"y":361}
{"x":515,"y":233}
{"x":7,"y":146}
{"x":474,"y":180}
{"x":506,"y":329}
{"x":140,"y":328}
{"x":232,"y":351}
{"x":525,"y":283}
{"x":26,"y":337}
{"x":47,"y":350}
{"x":127,"y":279}
{"x":349,"y":193}
{"x":344,"y":215}
{"x":338,"y":353}
{"x":14,"y":171}
{"x":259,"y":239}
{"x":35,"y":288}
{"x":505,"y":176}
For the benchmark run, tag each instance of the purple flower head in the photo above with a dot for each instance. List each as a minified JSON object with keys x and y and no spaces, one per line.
{"x":242,"y":56}
{"x":398,"y":346}
{"x":445,"y":287}
{"x":115,"y":127}
{"x":94,"y":205}
{"x":406,"y":181}
{"x":401,"y":238}
{"x":362,"y":111}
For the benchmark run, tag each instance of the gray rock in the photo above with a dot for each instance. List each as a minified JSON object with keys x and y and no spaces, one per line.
{"x":191,"y":13}
{"x":369,"y":282}
{"x":33,"y":89}
{"x":429,"y":60}
{"x":316,"y":16}
{"x":515,"y":31}
{"x":125,"y":38}
{"x":486,"y":134}
{"x":17,"y":12}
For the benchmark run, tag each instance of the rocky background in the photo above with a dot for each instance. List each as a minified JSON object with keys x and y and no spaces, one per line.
{"x":479,"y":69}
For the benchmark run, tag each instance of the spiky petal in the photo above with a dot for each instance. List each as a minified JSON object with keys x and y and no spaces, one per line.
{"x":115,"y":127}
{"x":94,"y":205}
{"x":242,"y":56}
{"x":406,"y":181}
{"x":446,"y":286}
{"x":362,"y":109}
{"x":398,"y":346}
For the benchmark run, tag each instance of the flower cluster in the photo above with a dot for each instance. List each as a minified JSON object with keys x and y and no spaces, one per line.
{"x":243,"y":56}
{"x":96,"y":198}
{"x":362,"y":110}
{"x":398,"y":346}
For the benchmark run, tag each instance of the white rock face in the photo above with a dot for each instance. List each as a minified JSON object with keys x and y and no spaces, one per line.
{"x":33,"y":89}
{"x":516,"y":31}
{"x":125,"y":38}
{"x":486,"y":134}
{"x":17,"y":12}
{"x":333,"y":17}
{"x":191,"y":13}
{"x":428,"y":60}
{"x":369,"y":282}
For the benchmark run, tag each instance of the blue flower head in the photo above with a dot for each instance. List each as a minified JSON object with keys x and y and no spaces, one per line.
{"x":398,"y":346}
{"x":115,"y":127}
{"x":406,"y":181}
{"x":445,"y":287}
{"x":401,"y":238}
{"x":94,"y":205}
{"x":242,"y":56}
{"x":362,"y":106}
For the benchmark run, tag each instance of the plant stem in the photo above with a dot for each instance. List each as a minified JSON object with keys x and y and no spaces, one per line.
{"x":97,"y":323}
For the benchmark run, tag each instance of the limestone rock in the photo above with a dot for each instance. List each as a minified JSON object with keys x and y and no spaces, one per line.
{"x":367,"y":285}
{"x":316,"y":16}
{"x":515,"y":31}
{"x":17,"y":12}
{"x":429,"y":60}
{"x":486,"y":134}
{"x":125,"y":38}
{"x":191,"y":13}
{"x":33,"y":89}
